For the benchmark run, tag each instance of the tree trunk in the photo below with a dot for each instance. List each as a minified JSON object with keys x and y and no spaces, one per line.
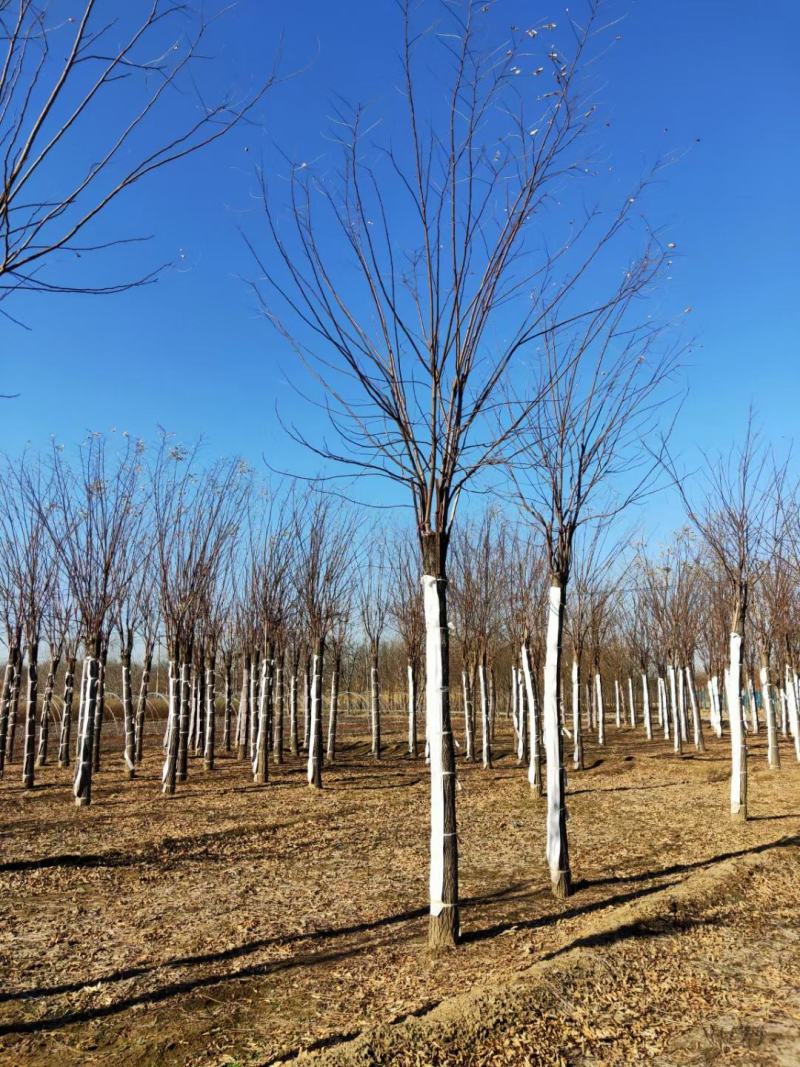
{"x":413,"y":745}
{"x":577,"y":728}
{"x":697,"y":722}
{"x":261,"y":755}
{"x":29,"y":750}
{"x":255,"y":689}
{"x":44,"y":720}
{"x":315,"y":719}
{"x":170,"y":772}
{"x":127,"y":711}
{"x":601,"y":711}
{"x":794,"y":716}
{"x":535,"y":763}
{"x":82,"y":785}
{"x":334,"y":709}
{"x":293,"y":745}
{"x":306,"y":701}
{"x":469,"y":719}
{"x":648,"y":722}
{"x":375,"y":704}
{"x":5,"y":707}
{"x":280,"y":699}
{"x":209,"y":753}
{"x":557,"y":845}
{"x":66,"y":714}
{"x":617,"y":712}
{"x":631,"y":703}
{"x":141,"y":703}
{"x":773,"y":753}
{"x":226,"y":729}
{"x":243,"y":728}
{"x":184,"y":708}
{"x":13,"y":713}
{"x":738,"y":738}
{"x":677,"y":744}
{"x":486,"y":734}
{"x":100,"y":705}
{"x":444,"y":925}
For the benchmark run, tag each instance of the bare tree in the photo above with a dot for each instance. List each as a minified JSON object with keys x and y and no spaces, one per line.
{"x":601,"y":382}
{"x":731,"y":511}
{"x":374,"y":610}
{"x":90,"y":106}
{"x":404,"y":344}
{"x":324,"y":546}
{"x":196,"y":516}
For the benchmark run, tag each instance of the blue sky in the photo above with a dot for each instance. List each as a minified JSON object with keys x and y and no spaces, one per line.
{"x":708,"y":82}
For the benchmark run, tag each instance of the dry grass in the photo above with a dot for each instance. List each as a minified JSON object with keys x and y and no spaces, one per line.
{"x":243,"y":923}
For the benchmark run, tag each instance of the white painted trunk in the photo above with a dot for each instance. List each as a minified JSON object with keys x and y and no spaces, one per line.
{"x":435,"y":736}
{"x":717,"y":705}
{"x":467,"y":701}
{"x":617,"y":712}
{"x":601,"y":713}
{"x":674,"y":710}
{"x":738,"y":744}
{"x":557,"y":854}
{"x":412,"y":711}
{"x":794,"y":717}
{"x":648,"y":722}
{"x":533,"y":747}
{"x":515,"y":700}
{"x":631,"y":703}
{"x":773,"y":755}
{"x":486,"y":750}
{"x":577,"y":731}
{"x":314,"y":718}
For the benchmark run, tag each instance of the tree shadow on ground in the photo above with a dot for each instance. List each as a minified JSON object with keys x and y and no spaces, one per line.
{"x":569,"y":913}
{"x":683,"y":868}
{"x":250,"y":947}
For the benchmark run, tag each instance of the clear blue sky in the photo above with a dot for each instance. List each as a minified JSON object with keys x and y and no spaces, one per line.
{"x":192,"y":354}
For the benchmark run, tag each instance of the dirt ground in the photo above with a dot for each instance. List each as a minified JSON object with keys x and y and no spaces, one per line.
{"x":243,"y":924}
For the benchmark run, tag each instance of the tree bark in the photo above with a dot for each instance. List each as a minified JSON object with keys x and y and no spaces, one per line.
{"x":648,"y":722}
{"x":141,"y":704}
{"x":375,"y":704}
{"x":226,"y":729}
{"x":44,"y":720}
{"x":469,"y":727}
{"x":738,"y":738}
{"x":29,"y":749}
{"x":209,"y":750}
{"x":169,"y":774}
{"x":557,"y":845}
{"x":315,"y":721}
{"x":486,"y":733}
{"x":444,"y":925}
{"x":773,"y":752}
{"x":82,"y":785}
{"x":334,"y":710}
{"x":261,"y":757}
{"x":577,"y":728}
{"x":5,"y":707}
{"x":127,"y":711}
{"x":535,"y":762}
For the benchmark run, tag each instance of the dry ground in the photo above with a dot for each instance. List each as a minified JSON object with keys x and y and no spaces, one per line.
{"x":235,"y":923}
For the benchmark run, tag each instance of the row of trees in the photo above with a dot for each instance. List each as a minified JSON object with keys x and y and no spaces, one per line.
{"x":124,"y":549}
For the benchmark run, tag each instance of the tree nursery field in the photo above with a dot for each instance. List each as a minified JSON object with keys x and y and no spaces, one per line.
{"x":252,"y":924}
